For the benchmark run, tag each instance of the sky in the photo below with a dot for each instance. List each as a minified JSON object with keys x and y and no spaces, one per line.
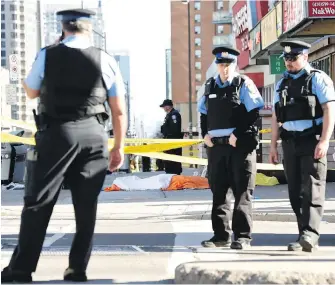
{"x":143,"y":29}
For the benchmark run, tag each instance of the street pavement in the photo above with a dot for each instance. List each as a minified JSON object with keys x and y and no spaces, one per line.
{"x":142,"y":236}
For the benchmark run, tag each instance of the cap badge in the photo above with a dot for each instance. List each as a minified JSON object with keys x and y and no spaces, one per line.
{"x":224,"y":54}
{"x":287,"y":49}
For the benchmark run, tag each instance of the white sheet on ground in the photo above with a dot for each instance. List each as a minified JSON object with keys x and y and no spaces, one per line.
{"x":133,"y":183}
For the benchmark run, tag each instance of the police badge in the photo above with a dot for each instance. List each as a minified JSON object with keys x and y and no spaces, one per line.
{"x":224,"y":54}
{"x":287,"y":49}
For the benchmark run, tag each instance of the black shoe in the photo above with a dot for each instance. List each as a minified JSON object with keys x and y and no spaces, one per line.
{"x":9,"y":276}
{"x":307,"y":243}
{"x":215,"y":242}
{"x":71,"y":275}
{"x":241,"y":243}
{"x":294,"y":246}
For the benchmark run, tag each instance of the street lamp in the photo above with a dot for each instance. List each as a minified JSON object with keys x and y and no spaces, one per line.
{"x":190,"y":117}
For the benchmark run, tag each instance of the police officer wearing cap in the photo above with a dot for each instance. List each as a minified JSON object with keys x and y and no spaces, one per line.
{"x":73,"y":80}
{"x":303,"y":117}
{"x":229,"y":109}
{"x":171,"y":129}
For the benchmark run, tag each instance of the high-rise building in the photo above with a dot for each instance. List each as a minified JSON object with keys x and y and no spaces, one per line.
{"x":20,"y":36}
{"x":210,"y":26}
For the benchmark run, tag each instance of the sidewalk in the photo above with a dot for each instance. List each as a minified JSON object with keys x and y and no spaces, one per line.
{"x":143,"y":236}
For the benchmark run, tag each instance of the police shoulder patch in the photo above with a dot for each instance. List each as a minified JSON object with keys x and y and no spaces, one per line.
{"x":327,"y":81}
{"x":251,"y":87}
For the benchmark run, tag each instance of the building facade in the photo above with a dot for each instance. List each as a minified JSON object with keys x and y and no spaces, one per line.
{"x":20,"y":42}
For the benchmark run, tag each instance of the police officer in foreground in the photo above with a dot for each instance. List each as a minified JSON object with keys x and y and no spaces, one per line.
{"x":73,"y":80}
{"x":171,"y":129}
{"x":229,"y":109}
{"x":304,"y":119}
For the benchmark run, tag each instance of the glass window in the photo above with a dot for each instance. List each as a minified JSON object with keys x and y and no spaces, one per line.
{"x":14,"y":17}
{"x":198,"y":65}
{"x":13,"y":35}
{"x":197,"y":5}
{"x":12,"y":7}
{"x":2,"y":7}
{"x":197,"y":41}
{"x":2,"y":17}
{"x":198,"y":77}
{"x":21,"y":9}
{"x":13,"y":44}
{"x":14,"y":26}
{"x":3,"y":53}
{"x":197,"y":18}
{"x":219,"y":5}
{"x":197,"y":29}
{"x":3,"y":44}
{"x":219,"y":29}
{"x":3,"y":26}
{"x":23,"y":54}
{"x":3,"y":35}
{"x":3,"y":62}
{"x":21,"y":18}
{"x":198,"y":53}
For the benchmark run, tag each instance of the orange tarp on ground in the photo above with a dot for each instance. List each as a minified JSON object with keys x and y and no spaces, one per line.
{"x":179,"y":182}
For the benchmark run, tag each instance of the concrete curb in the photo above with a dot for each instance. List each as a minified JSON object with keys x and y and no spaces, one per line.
{"x":259,"y":272}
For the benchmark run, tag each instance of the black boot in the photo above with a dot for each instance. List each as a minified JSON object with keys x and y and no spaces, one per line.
{"x":215,"y":242}
{"x":9,"y":276}
{"x":75,"y":276}
{"x":241,"y":243}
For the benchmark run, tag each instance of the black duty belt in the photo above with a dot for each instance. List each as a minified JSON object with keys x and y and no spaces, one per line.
{"x":311,"y":132}
{"x":220,"y":140}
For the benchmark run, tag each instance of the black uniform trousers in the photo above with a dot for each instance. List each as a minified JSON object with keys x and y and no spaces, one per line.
{"x":231,"y":168}
{"x":75,"y":152}
{"x":172,"y":167}
{"x":306,"y":179}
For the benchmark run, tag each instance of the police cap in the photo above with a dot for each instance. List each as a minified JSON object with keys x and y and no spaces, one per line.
{"x":225,"y":54}
{"x":74,"y":14}
{"x":294,"y":48}
{"x":166,"y":102}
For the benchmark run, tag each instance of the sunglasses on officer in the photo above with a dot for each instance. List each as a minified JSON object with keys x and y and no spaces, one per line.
{"x":291,"y":58}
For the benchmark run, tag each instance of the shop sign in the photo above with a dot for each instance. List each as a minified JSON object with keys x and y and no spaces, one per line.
{"x":321,"y":8}
{"x":293,"y":13}
{"x":269,"y":29}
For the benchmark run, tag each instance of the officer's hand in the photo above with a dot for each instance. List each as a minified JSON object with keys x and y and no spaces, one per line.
{"x":116,"y":158}
{"x":208,"y":140}
{"x":232,"y":140}
{"x":321,"y":149}
{"x":273,"y":156}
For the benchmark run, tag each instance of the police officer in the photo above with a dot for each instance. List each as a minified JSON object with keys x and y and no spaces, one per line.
{"x":304,"y":120}
{"x":72,"y":80}
{"x":229,"y":109}
{"x":171,"y":129}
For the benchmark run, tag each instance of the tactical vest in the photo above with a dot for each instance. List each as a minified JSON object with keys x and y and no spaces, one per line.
{"x":296,"y":100}
{"x":73,"y":86}
{"x":224,"y":107}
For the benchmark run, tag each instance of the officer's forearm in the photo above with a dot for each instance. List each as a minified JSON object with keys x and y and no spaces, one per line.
{"x":328,"y":120}
{"x":31,"y":93}
{"x":274,"y":130}
{"x":203,"y":124}
{"x":119,"y":117}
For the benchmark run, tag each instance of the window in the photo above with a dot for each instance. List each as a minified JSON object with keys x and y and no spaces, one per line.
{"x":198,"y":53}
{"x":14,"y":17}
{"x":21,"y":9}
{"x":23,"y":45}
{"x":197,"y":5}
{"x":2,"y":7}
{"x":13,"y":35}
{"x":198,"y":77}
{"x":23,"y":62}
{"x":219,"y":5}
{"x":3,"y":62}
{"x":197,"y":18}
{"x":13,"y":44}
{"x":3,"y":35}
{"x":22,"y":27}
{"x":322,"y":64}
{"x":15,"y":52}
{"x":197,"y":29}
{"x":23,"y":72}
{"x":12,"y":7}
{"x":22,"y":18}
{"x":3,"y":26}
{"x":14,"y":26}
{"x":22,"y":36}
{"x":198,"y":65}
{"x":3,"y":53}
{"x":23,"y":54}
{"x":198,"y":42}
{"x":219,"y":29}
{"x":2,"y":17}
{"x":3,"y":44}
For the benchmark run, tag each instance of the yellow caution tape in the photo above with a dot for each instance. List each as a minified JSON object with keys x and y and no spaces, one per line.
{"x":8,"y":138}
{"x":265,"y":131}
